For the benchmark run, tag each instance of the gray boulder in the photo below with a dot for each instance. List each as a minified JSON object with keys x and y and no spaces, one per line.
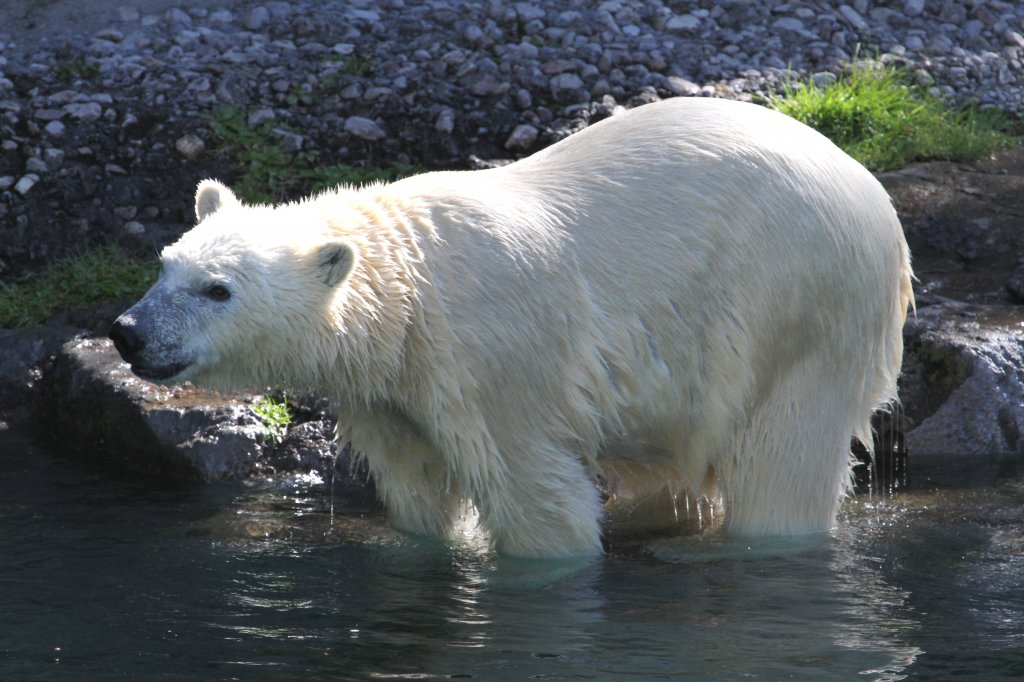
{"x":92,"y":400}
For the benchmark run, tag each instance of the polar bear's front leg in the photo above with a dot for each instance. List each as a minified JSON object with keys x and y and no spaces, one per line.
{"x":544,"y":505}
{"x":411,"y":478}
{"x":415,"y":491}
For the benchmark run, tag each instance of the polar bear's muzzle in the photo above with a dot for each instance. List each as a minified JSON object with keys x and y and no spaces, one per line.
{"x":134,"y":348}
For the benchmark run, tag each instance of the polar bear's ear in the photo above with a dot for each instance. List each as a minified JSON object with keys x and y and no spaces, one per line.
{"x":334,"y":261}
{"x":211,"y":196}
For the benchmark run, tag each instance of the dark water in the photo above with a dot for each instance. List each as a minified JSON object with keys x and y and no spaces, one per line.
{"x":103,"y":579}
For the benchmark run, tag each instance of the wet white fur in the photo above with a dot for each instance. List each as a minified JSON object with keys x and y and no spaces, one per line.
{"x":702,"y":289}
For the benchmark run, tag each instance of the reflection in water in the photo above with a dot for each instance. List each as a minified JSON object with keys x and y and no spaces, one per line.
{"x":269,"y":584}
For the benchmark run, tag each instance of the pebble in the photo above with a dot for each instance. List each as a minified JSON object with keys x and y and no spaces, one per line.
{"x":445,"y":122}
{"x":26,"y":183}
{"x":913,"y":8}
{"x":134,"y":227}
{"x":257,"y":18}
{"x":36,"y":165}
{"x":55,"y":129}
{"x":522,"y":138}
{"x":84,"y":111}
{"x":680,"y":86}
{"x":364,"y":128}
{"x":190,"y":146}
{"x":685,"y":23}
{"x":260,"y":116}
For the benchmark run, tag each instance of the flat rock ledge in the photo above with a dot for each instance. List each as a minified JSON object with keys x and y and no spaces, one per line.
{"x":89,"y":400}
{"x":94,"y":401}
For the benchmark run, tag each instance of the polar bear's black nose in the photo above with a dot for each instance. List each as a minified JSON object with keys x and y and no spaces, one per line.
{"x":126,"y":340}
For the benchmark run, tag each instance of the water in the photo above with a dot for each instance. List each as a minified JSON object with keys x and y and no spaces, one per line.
{"x":107,"y":579}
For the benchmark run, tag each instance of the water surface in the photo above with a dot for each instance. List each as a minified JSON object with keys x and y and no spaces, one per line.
{"x":106,"y":579}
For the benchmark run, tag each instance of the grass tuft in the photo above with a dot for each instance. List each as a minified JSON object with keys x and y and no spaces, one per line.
{"x":90,"y":278}
{"x":880,"y":117}
{"x":273,"y":173}
{"x":275,"y":415}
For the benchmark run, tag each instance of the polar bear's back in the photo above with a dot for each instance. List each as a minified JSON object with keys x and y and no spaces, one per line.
{"x":708,"y":210}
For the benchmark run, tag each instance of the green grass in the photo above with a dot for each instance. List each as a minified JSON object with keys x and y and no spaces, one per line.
{"x":98,"y":276}
{"x":275,"y":415}
{"x":273,"y":173}
{"x":884,"y":120}
{"x":70,"y":65}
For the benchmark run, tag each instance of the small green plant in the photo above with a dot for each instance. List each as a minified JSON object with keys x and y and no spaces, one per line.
{"x":266,"y":162}
{"x":884,"y":120}
{"x":274,"y":173}
{"x":357,"y":65}
{"x":89,"y":278}
{"x":70,"y":65}
{"x":275,"y":415}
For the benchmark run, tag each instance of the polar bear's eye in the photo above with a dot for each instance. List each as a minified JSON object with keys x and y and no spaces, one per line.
{"x":218,"y":292}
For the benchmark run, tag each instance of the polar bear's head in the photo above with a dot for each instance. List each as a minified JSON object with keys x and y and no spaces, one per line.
{"x":243,"y":299}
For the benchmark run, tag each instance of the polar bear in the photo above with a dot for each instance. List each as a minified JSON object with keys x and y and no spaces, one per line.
{"x":703,"y":290}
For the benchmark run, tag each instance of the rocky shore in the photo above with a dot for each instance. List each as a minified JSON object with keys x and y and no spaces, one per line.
{"x":105,"y":127}
{"x":105,"y":117}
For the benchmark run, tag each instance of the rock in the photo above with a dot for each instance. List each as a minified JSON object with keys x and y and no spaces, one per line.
{"x":854,"y":18}
{"x":913,"y":8}
{"x":567,"y":87}
{"x":84,"y":111}
{"x":680,"y":86}
{"x":134,"y":426}
{"x":24,"y":357}
{"x":445,"y":122}
{"x":54,"y":158}
{"x":256,"y":18}
{"x":36,"y":165}
{"x":683,"y":23}
{"x":1015,"y":285}
{"x":55,"y":129}
{"x":26,"y":183}
{"x":963,"y":378}
{"x":179,"y":16}
{"x":364,"y":128}
{"x":789,"y":24}
{"x":522,"y":138}
{"x":823,"y":79}
{"x":487,"y":84}
{"x":290,"y":141}
{"x":48,"y":114}
{"x":260,"y":116}
{"x":190,"y":146}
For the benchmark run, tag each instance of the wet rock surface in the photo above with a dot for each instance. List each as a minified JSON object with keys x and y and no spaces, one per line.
{"x":963,"y":377}
{"x":89,"y":401}
{"x":97,"y":407}
{"x":964,"y":380}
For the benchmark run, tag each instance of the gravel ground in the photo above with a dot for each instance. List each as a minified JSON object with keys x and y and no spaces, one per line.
{"x":104,"y":106}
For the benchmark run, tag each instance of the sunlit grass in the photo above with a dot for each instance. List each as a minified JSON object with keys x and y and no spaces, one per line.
{"x":275,"y":415}
{"x":884,"y":120}
{"x":273,"y":173}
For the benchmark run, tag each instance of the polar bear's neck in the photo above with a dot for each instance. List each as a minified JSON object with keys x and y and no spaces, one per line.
{"x":372,"y":311}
